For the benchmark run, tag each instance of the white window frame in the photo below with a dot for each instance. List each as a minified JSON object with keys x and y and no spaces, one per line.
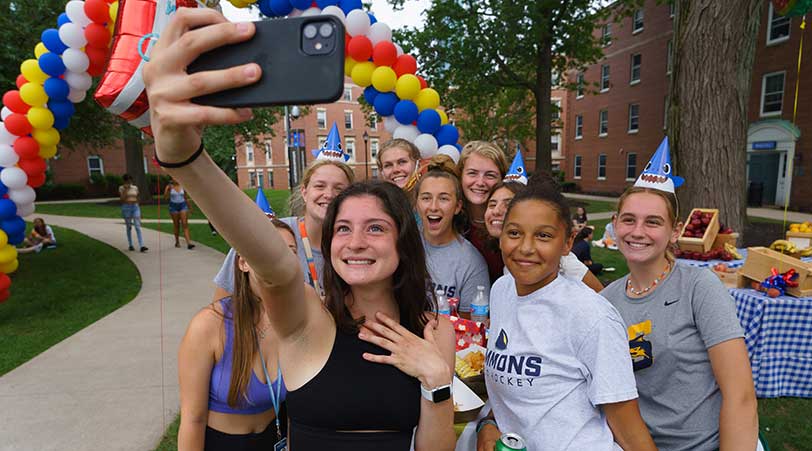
{"x":577,"y":167}
{"x":347,"y":96}
{"x":321,"y":118}
{"x":373,"y":148}
{"x":763,"y":93}
{"x":637,"y":129}
{"x":345,"y":119}
{"x":606,"y":34}
{"x":268,"y":152}
{"x":260,"y":179}
{"x":580,"y":79}
{"x":669,"y":57}
{"x":249,"y":152}
{"x":635,"y":29}
{"x":601,"y":122}
{"x":605,"y":74}
{"x":604,"y":166}
{"x":91,"y":170}
{"x":628,"y":166}
{"x":349,"y":147}
{"x":632,"y":80}
{"x":579,"y":126}
{"x":555,"y":138}
{"x":270,"y":179}
{"x":555,"y":114}
{"x":771,"y":17}
{"x":373,"y":121}
{"x":252,"y":179}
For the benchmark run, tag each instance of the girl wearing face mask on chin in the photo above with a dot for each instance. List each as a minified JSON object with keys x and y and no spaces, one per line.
{"x":455,"y":265}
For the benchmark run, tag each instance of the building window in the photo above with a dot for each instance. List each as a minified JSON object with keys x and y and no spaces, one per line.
{"x":576,"y":172}
{"x":249,"y":152}
{"x":95,"y":165}
{"x":554,"y":140}
{"x":349,"y":147}
{"x":669,"y":57}
{"x":579,"y":127}
{"x":637,"y":22}
{"x":252,"y":179}
{"x":348,"y":94}
{"x":772,"y":93}
{"x":631,"y":167}
{"x":604,"y":78}
{"x":556,"y":113}
{"x":270,"y":179}
{"x":777,"y":27}
{"x":373,"y":121}
{"x":259,"y":179}
{"x":268,"y":152}
{"x":602,"y":166}
{"x":603,"y":123}
{"x":637,"y":60}
{"x":348,"y":120}
{"x":579,"y":89}
{"x":373,"y":148}
{"x":606,"y":34}
{"x":634,"y":117}
{"x":321,"y":118}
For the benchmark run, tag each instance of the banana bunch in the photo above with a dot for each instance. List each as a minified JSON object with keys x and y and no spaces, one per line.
{"x":731,"y":249}
{"x":806,"y":252}
{"x":784,"y":246}
{"x":463,"y":369}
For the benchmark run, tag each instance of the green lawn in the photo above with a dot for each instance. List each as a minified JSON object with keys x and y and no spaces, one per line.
{"x":169,"y":442}
{"x":58,"y":292}
{"x":785,"y":423}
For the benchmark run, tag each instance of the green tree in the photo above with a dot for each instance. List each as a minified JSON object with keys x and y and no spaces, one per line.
{"x":495,"y":60}
{"x":220,"y":140}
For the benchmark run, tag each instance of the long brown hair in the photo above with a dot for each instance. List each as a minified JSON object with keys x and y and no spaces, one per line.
{"x":411,"y":278}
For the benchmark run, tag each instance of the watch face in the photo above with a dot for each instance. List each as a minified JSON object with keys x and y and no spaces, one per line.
{"x":441,"y":394}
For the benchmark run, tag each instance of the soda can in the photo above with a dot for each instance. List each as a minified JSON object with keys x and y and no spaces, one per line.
{"x":510,"y":441}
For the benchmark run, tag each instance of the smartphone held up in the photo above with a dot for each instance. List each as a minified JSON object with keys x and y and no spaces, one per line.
{"x":302,"y":61}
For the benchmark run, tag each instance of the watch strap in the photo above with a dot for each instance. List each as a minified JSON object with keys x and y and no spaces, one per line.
{"x":484,"y":422}
{"x":429,"y":394}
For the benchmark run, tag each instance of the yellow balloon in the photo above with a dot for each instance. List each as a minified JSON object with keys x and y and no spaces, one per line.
{"x":443,"y":117}
{"x":47,"y":137}
{"x":31,"y":71}
{"x":362,"y":73}
{"x":384,"y":79}
{"x":9,"y":267}
{"x":349,"y":63}
{"x":427,"y":99}
{"x":113,"y":11}
{"x":40,"y":49}
{"x":3,"y":238}
{"x":33,"y":94}
{"x":407,"y":87}
{"x":8,"y":253}
{"x":40,"y":118}
{"x":47,"y":152}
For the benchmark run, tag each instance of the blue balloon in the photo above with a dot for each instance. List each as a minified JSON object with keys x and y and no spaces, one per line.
{"x":281,"y":7}
{"x":56,"y":88}
{"x":8,"y":210}
{"x":325,"y":3}
{"x":447,"y":134}
{"x":3,"y":188}
{"x":61,"y":123}
{"x":301,"y":4}
{"x":385,"y":103}
{"x":406,"y":112}
{"x":13,"y":226}
{"x":458,"y":146}
{"x":349,"y":5}
{"x":428,"y":121}
{"x":62,"y":19}
{"x":61,"y":108}
{"x":50,"y":38}
{"x":51,"y":64}
{"x":16,"y":238}
{"x":372,"y":18}
{"x":370,"y":93}
{"x":265,"y":8}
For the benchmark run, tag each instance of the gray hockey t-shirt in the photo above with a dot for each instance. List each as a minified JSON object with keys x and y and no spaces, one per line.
{"x":670,"y":331}
{"x":457,"y":268}
{"x":225,"y":277}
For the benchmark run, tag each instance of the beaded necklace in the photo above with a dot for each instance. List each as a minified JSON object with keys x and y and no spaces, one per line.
{"x":650,"y":287}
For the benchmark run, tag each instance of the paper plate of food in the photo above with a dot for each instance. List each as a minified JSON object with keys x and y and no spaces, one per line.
{"x":466,"y":402}
{"x":470,"y":367}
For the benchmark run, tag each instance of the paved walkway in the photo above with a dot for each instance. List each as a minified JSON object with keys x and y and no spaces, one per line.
{"x":103,"y":388}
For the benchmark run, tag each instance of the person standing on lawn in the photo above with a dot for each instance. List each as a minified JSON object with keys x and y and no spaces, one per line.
{"x":130,"y":211}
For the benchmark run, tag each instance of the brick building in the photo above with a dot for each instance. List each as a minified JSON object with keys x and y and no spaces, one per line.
{"x":618,"y":118}
{"x":79,"y":164}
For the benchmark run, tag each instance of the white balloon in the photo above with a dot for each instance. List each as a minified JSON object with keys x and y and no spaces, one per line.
{"x":22,"y":196}
{"x":13,"y":178}
{"x":296,"y":13}
{"x":400,"y":49}
{"x":313,"y":11}
{"x":357,"y":22}
{"x":75,"y":60}
{"x":79,"y":81}
{"x":426,"y":144}
{"x":6,"y":137}
{"x":72,"y":35}
{"x":407,"y":132}
{"x":77,"y":96}
{"x":334,"y":10}
{"x":75,"y":9}
{"x":8,"y":157}
{"x":379,"y":32}
{"x":25,"y":210}
{"x":390,"y":123}
{"x":5,"y":112}
{"x":451,"y":151}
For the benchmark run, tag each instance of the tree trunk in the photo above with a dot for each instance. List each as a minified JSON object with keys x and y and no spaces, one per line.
{"x":544,"y":109}
{"x":134,"y":158}
{"x":714,"y":47}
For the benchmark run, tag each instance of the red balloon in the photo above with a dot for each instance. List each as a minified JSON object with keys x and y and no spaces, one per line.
{"x":12,"y":100}
{"x":360,"y":48}
{"x":423,"y":84}
{"x":98,"y":60}
{"x":347,"y":39}
{"x":384,"y":54}
{"x":17,"y":124}
{"x":21,"y":81}
{"x":32,"y":166}
{"x":36,"y":180}
{"x":406,"y":64}
{"x":97,"y":35}
{"x":4,"y":294}
{"x":5,"y":281}
{"x":97,"y":10}
{"x":26,"y":147}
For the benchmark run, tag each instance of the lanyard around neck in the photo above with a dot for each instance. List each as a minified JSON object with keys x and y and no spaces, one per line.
{"x":274,"y":396}
{"x":311,"y":264}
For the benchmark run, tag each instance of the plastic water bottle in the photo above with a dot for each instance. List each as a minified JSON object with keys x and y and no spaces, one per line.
{"x":443,"y":307}
{"x":480,"y":308}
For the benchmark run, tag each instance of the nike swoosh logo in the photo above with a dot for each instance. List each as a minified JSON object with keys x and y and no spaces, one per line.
{"x":667,"y":303}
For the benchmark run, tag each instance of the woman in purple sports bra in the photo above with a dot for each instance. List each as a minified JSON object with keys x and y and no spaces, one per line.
{"x":224,"y":362}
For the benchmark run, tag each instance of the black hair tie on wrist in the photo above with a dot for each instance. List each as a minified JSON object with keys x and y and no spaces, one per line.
{"x":182,"y":163}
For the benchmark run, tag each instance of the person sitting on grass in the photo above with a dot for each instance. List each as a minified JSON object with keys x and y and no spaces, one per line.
{"x":41,"y":236}
{"x":609,"y":239}
{"x":581,"y":250}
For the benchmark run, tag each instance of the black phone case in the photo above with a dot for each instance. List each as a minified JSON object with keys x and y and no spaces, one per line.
{"x":289,"y":75}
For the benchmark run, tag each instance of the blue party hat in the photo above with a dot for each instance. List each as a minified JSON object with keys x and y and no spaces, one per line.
{"x":262,"y":203}
{"x":658,"y":173}
{"x":331,"y":149}
{"x":517,"y":173}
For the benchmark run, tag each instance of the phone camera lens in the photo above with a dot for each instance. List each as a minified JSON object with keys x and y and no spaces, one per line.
{"x":310,"y":31}
{"x":326,"y":30}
